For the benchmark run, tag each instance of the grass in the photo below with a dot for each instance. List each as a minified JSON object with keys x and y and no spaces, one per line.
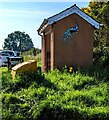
{"x":56,"y":95}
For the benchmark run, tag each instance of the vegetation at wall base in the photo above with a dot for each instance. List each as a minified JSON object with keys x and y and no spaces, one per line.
{"x":80,"y":95}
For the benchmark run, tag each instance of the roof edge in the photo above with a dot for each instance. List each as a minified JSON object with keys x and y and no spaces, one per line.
{"x":71,"y":10}
{"x":43,"y":23}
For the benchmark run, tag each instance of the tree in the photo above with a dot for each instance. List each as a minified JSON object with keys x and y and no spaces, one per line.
{"x":18,"y":41}
{"x":99,"y":11}
{"x":86,"y":10}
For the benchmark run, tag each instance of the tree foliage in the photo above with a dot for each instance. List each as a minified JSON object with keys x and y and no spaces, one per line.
{"x":18,"y":41}
{"x":100,"y":12}
{"x":86,"y":10}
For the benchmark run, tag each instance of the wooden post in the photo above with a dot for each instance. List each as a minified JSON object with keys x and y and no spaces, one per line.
{"x":9,"y":63}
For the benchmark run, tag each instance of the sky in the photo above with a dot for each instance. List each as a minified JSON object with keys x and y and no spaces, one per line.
{"x":26,"y":16}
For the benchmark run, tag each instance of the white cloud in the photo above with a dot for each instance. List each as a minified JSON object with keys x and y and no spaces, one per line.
{"x":46,"y":0}
{"x":21,"y":11}
{"x":12,"y":12}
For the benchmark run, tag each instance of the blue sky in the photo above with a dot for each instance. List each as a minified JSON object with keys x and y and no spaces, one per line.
{"x":27,"y":16}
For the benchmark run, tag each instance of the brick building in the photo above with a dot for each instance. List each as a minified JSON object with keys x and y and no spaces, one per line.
{"x":67,"y":39}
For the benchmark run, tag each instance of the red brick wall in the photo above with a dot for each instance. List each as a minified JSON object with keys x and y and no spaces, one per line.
{"x":79,"y":51}
{"x":52,"y":50}
{"x":46,"y":47}
{"x":43,"y":53}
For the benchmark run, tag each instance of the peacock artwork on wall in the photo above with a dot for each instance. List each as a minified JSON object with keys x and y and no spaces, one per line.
{"x":68,"y":34}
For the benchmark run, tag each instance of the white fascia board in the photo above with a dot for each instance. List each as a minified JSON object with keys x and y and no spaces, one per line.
{"x":42,"y":29}
{"x":70,"y":11}
{"x":61,"y":15}
{"x":88,"y":19}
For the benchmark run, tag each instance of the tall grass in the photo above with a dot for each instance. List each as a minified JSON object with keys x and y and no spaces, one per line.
{"x":56,"y":95}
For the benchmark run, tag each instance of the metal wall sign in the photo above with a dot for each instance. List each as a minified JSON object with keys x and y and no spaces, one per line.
{"x":68,"y":34}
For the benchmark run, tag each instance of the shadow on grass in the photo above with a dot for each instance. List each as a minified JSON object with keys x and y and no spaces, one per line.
{"x":41,"y":81}
{"x":27,"y":79}
{"x":68,"y":114}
